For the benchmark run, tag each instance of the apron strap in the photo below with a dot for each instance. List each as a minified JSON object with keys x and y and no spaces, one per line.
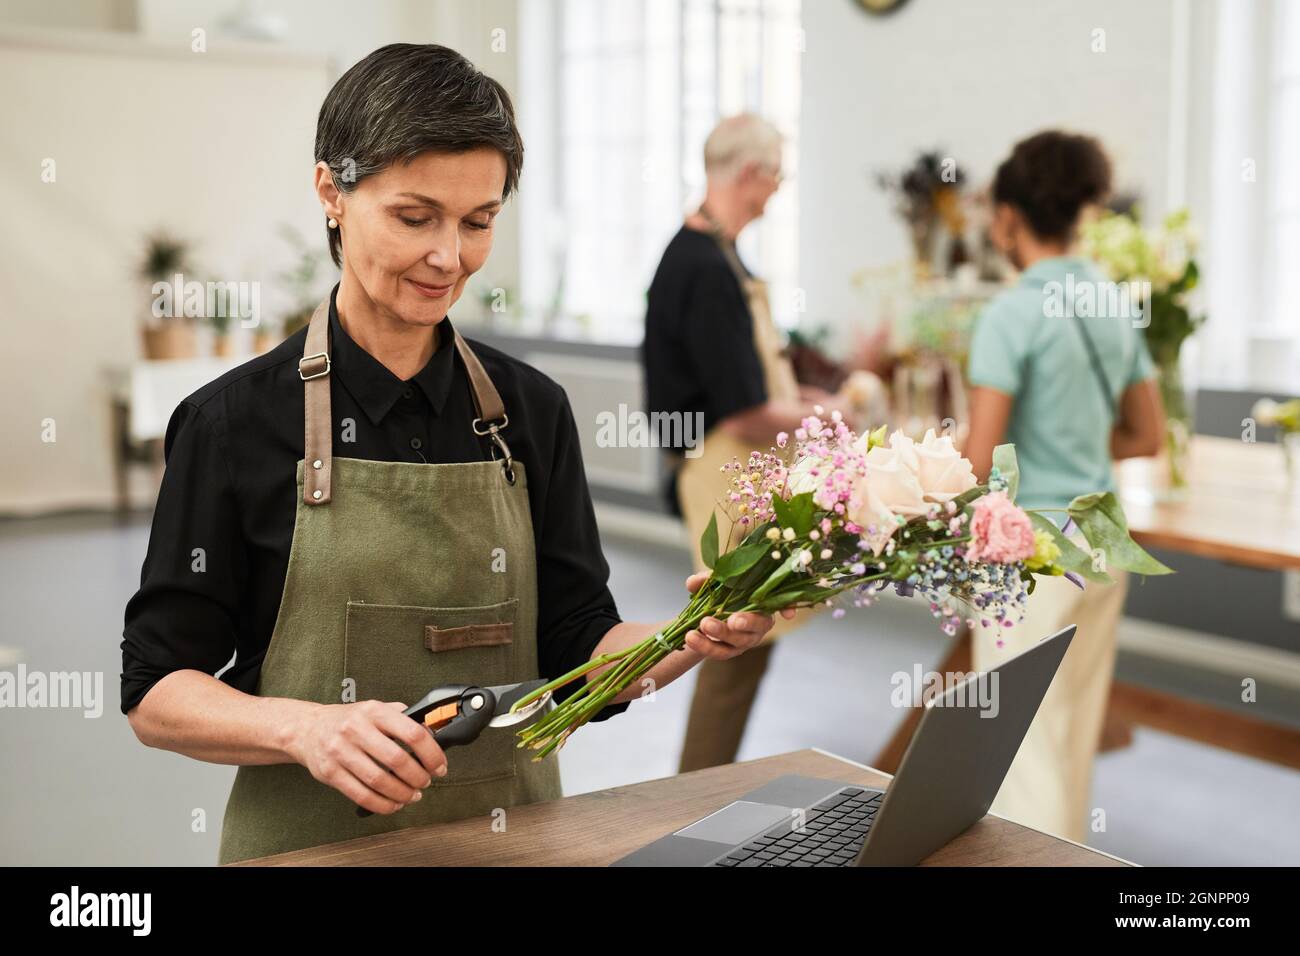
{"x":728,"y":249}
{"x":778,"y":370}
{"x":314,"y":370}
{"x":492,"y":415}
{"x":318,"y":440}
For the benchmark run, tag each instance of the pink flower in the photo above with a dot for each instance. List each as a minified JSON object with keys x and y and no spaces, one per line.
{"x":1000,"y":531}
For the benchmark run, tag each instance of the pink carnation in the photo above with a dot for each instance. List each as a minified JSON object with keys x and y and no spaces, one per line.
{"x":1000,"y":531}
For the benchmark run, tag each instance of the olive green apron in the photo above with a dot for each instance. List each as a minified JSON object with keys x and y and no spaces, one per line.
{"x":399,"y":578}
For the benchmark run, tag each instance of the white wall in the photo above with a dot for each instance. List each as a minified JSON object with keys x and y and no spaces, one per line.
{"x":971,"y":78}
{"x":140,"y":136}
{"x":144,"y":133}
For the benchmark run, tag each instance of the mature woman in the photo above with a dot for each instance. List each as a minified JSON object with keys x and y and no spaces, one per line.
{"x":1072,"y":386}
{"x":375,"y":507}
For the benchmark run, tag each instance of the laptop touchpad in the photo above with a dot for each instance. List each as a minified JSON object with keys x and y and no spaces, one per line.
{"x":736,"y":821}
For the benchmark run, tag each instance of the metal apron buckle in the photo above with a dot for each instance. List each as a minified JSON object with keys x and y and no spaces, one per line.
{"x":494,"y":432}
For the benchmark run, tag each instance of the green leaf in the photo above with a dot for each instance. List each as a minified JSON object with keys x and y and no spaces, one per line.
{"x":739,"y":560}
{"x":796,"y":512}
{"x":1187,"y":281}
{"x":1073,"y":558}
{"x":801,"y":592}
{"x":709,"y":542}
{"x":1004,"y":459}
{"x":1101,"y":519}
{"x":777,"y":576}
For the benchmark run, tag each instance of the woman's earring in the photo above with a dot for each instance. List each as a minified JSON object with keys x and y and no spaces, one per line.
{"x":333,"y":223}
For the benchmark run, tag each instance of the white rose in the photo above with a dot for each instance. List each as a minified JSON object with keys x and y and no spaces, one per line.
{"x":942,"y":472}
{"x":877,"y":521}
{"x":901,"y":449}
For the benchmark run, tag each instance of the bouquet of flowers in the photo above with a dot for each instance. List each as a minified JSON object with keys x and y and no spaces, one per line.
{"x":1165,"y":258}
{"x":927,"y":195}
{"x":852,"y":515}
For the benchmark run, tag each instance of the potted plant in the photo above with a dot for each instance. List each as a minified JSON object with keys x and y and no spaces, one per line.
{"x":301,"y":281}
{"x":1161,"y":261}
{"x":928,"y":198}
{"x":220,"y":310}
{"x":168,"y":333}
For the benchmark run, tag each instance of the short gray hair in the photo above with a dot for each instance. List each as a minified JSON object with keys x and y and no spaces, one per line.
{"x":741,"y":139}
{"x":405,"y":99}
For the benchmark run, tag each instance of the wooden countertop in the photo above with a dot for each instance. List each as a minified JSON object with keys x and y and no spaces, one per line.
{"x":1238,"y":506}
{"x":595,"y":829}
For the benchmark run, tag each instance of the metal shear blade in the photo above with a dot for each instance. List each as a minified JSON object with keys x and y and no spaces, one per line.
{"x":507,"y":694}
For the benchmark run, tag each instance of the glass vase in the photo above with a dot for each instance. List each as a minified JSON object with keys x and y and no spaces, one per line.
{"x":1179,"y":400}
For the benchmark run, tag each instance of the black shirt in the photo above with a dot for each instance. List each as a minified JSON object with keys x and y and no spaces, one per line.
{"x":230,"y":487}
{"x":698,"y":354}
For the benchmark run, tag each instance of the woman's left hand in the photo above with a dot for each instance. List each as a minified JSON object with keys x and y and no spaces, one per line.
{"x":723,"y":640}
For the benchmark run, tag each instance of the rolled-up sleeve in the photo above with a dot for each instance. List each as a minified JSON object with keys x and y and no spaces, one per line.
{"x":183,"y":616}
{"x":575,"y":607}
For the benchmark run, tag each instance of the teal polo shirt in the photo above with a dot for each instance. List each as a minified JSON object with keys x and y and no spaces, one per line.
{"x":1027,"y":344}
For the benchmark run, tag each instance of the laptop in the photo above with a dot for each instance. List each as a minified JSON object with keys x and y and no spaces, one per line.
{"x":953,"y":768}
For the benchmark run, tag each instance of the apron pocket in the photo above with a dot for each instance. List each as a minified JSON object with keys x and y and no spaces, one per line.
{"x":401,"y":652}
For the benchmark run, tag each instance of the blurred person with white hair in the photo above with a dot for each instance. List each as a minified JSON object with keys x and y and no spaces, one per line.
{"x":711,"y":350}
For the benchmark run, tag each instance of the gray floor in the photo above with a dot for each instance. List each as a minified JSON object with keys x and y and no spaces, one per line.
{"x":83,"y":791}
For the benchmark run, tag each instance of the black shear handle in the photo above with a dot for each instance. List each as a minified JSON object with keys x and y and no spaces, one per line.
{"x":462,"y":729}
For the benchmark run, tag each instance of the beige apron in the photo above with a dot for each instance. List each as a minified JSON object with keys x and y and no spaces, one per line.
{"x":701,"y":484}
{"x":1049,"y":783}
{"x":399,"y":578}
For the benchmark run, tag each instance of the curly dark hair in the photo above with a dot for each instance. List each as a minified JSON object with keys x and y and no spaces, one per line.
{"x":1050,"y":177}
{"x":404,"y":99}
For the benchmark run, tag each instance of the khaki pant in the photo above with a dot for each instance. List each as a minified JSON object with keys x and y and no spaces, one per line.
{"x":1050,"y":781}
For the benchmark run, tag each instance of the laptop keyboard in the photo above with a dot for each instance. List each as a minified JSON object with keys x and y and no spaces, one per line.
{"x":832,"y":835}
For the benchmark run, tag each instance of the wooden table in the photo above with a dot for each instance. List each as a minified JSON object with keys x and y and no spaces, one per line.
{"x":1237,"y":508}
{"x":595,"y":829}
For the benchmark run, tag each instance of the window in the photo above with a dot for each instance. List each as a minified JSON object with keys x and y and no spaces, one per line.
{"x":616,"y":100}
{"x":1282,"y":224}
{"x":1243,"y":111}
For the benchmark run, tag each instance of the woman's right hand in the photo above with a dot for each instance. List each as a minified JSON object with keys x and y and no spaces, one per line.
{"x":354,"y":749}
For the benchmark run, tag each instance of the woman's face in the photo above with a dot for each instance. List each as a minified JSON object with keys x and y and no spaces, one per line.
{"x":414,"y":233}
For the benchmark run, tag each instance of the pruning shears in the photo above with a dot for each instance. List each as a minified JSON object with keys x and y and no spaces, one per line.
{"x":455,"y":714}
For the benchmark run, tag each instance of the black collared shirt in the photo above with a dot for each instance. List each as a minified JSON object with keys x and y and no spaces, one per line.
{"x":230,"y":488}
